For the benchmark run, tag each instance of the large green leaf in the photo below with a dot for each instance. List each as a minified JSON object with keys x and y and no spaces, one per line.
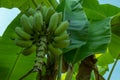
{"x":114,"y":46}
{"x":108,"y":10}
{"x":23,"y":4}
{"x":94,"y":15}
{"x":115,"y":24}
{"x":105,"y":59}
{"x":98,"y":40}
{"x":95,"y":11}
{"x":97,"y":35}
{"x":13,"y":64}
{"x":91,"y":9}
{"x":90,"y":4}
{"x":78,"y":28}
{"x":61,"y":6}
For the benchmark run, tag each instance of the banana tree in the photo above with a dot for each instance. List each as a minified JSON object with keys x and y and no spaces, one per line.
{"x":63,"y":40}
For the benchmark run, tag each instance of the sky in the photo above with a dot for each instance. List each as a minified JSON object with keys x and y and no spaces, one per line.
{"x":7,"y":15}
{"x":113,"y":2}
{"x":116,"y":72}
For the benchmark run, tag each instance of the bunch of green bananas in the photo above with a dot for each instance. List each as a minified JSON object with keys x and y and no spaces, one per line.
{"x":43,"y":22}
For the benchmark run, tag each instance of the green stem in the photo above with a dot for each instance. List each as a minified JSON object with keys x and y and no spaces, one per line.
{"x":69,"y":72}
{"x":113,"y":67}
{"x":59,"y":67}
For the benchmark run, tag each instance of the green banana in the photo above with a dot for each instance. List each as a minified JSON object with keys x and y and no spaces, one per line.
{"x":31,"y":11}
{"x":38,"y":21}
{"x":55,"y":51}
{"x":61,"y":28}
{"x":53,"y":22}
{"x":49,"y":12}
{"x":44,"y":11}
{"x":27,"y":51}
{"x":60,"y":17}
{"x":14,"y":36}
{"x":23,"y":43}
{"x":61,"y":37}
{"x":27,"y":27}
{"x":31,"y":20}
{"x":22,"y":34}
{"x":61,"y":44}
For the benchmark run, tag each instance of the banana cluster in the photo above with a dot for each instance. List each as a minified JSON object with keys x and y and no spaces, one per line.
{"x":43,"y":22}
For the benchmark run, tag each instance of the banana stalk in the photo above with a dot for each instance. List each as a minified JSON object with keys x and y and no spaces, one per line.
{"x":40,"y":56}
